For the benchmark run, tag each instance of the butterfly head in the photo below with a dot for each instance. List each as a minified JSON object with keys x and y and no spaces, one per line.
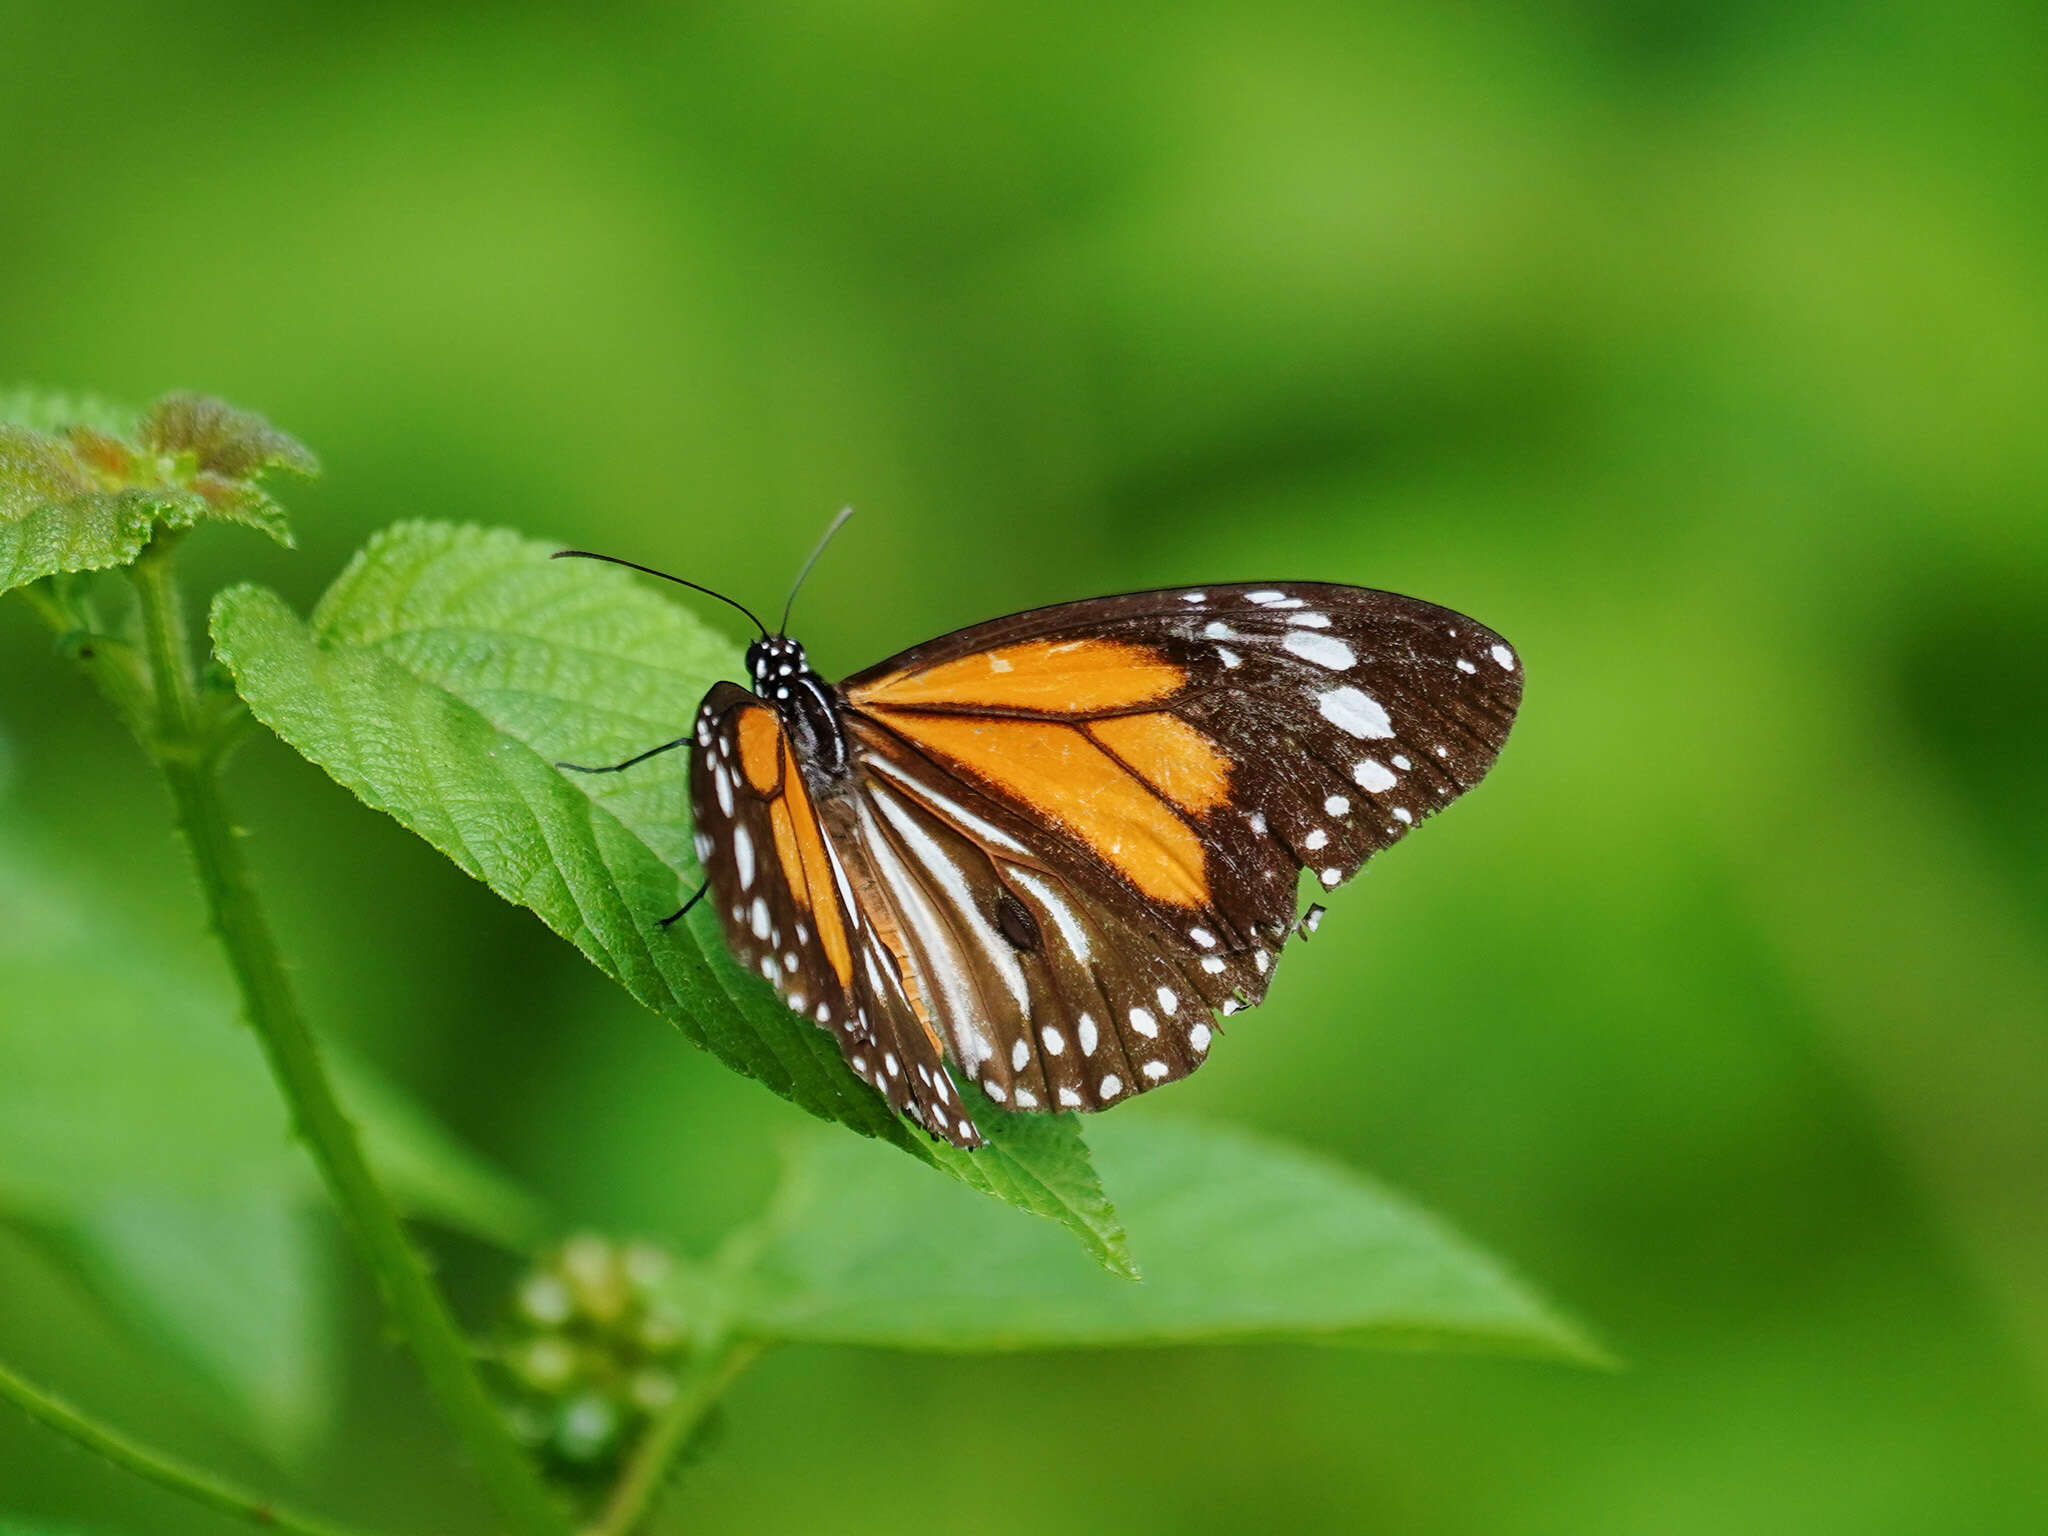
{"x":776,"y":661}
{"x":809,"y":708}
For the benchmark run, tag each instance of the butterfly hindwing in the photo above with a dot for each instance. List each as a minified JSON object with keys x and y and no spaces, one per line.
{"x":1048,"y":987}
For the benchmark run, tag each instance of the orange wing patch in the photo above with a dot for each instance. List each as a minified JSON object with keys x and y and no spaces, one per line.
{"x":800,"y":845}
{"x":1066,"y":778}
{"x":760,"y":734}
{"x":770,"y":769}
{"x":1071,"y":677}
{"x":1170,"y":755}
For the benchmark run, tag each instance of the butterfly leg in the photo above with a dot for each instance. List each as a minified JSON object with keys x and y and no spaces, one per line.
{"x":678,"y":915}
{"x":666,"y":746}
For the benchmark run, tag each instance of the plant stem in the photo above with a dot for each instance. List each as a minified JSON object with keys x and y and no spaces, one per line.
{"x":665,"y":1438}
{"x":165,"y":1471}
{"x":190,"y":764}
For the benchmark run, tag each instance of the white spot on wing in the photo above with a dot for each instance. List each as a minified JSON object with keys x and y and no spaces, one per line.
{"x":1212,"y":965}
{"x":1263,"y":598}
{"x":1466,"y":666}
{"x":1315,"y":839}
{"x":1194,"y":597}
{"x":1401,"y":815}
{"x":1228,"y":657}
{"x":1504,"y":656}
{"x":743,"y":856}
{"x":1169,"y":1000}
{"x":1356,"y":714}
{"x":1336,"y":805}
{"x":1144,"y":1023}
{"x":1311,"y":620}
{"x":1069,"y":1099}
{"x":1155,"y":1070}
{"x":759,"y":917}
{"x":1026,"y":1099}
{"x":1216,"y":629}
{"x":723,"y":786}
{"x":1203,"y":937}
{"x":1020,"y":1053}
{"x":1324,"y":650}
{"x":1055,"y":1042}
{"x":1329,"y":877}
{"x":1112,"y":1085}
{"x":1198,"y":1038}
{"x":1085,"y":1027}
{"x":1374,"y":775}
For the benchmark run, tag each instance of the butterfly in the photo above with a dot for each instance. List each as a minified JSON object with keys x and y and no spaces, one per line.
{"x":1048,"y":854}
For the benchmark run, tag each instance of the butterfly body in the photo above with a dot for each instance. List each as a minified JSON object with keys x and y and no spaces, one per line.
{"x":1049,"y":853}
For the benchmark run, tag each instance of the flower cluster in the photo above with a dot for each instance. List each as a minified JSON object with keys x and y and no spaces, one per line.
{"x":592,"y":1351}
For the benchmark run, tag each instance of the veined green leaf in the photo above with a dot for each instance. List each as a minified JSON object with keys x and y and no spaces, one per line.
{"x":440,"y":679}
{"x":1241,"y":1239}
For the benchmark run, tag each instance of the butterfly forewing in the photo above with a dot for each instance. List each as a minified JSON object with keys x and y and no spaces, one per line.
{"x":1101,"y":809}
{"x":1063,"y":842}
{"x":786,"y":901}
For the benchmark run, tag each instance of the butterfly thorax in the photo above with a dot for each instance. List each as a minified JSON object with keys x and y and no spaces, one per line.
{"x":806,"y":702}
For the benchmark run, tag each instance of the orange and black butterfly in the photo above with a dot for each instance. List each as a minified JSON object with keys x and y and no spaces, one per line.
{"x":1044,"y":853}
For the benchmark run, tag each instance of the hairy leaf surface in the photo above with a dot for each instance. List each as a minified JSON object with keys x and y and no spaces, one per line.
{"x":443,"y":676}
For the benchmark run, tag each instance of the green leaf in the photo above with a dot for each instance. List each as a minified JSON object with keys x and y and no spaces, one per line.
{"x":235,"y":1287}
{"x":440,"y":679}
{"x":1241,"y":1239}
{"x":45,"y":410}
{"x":124,"y":1073}
{"x":84,"y":483}
{"x":52,"y":520}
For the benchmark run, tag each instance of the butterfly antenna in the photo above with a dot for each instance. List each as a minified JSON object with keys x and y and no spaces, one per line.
{"x":837,"y":523}
{"x":584,"y":554}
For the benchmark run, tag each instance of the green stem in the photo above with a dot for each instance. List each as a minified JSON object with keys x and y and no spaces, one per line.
{"x":664,"y":1439}
{"x":165,"y":1471}
{"x":190,"y":764}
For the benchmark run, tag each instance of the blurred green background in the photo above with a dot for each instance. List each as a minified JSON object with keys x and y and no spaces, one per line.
{"x":1701,"y":349}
